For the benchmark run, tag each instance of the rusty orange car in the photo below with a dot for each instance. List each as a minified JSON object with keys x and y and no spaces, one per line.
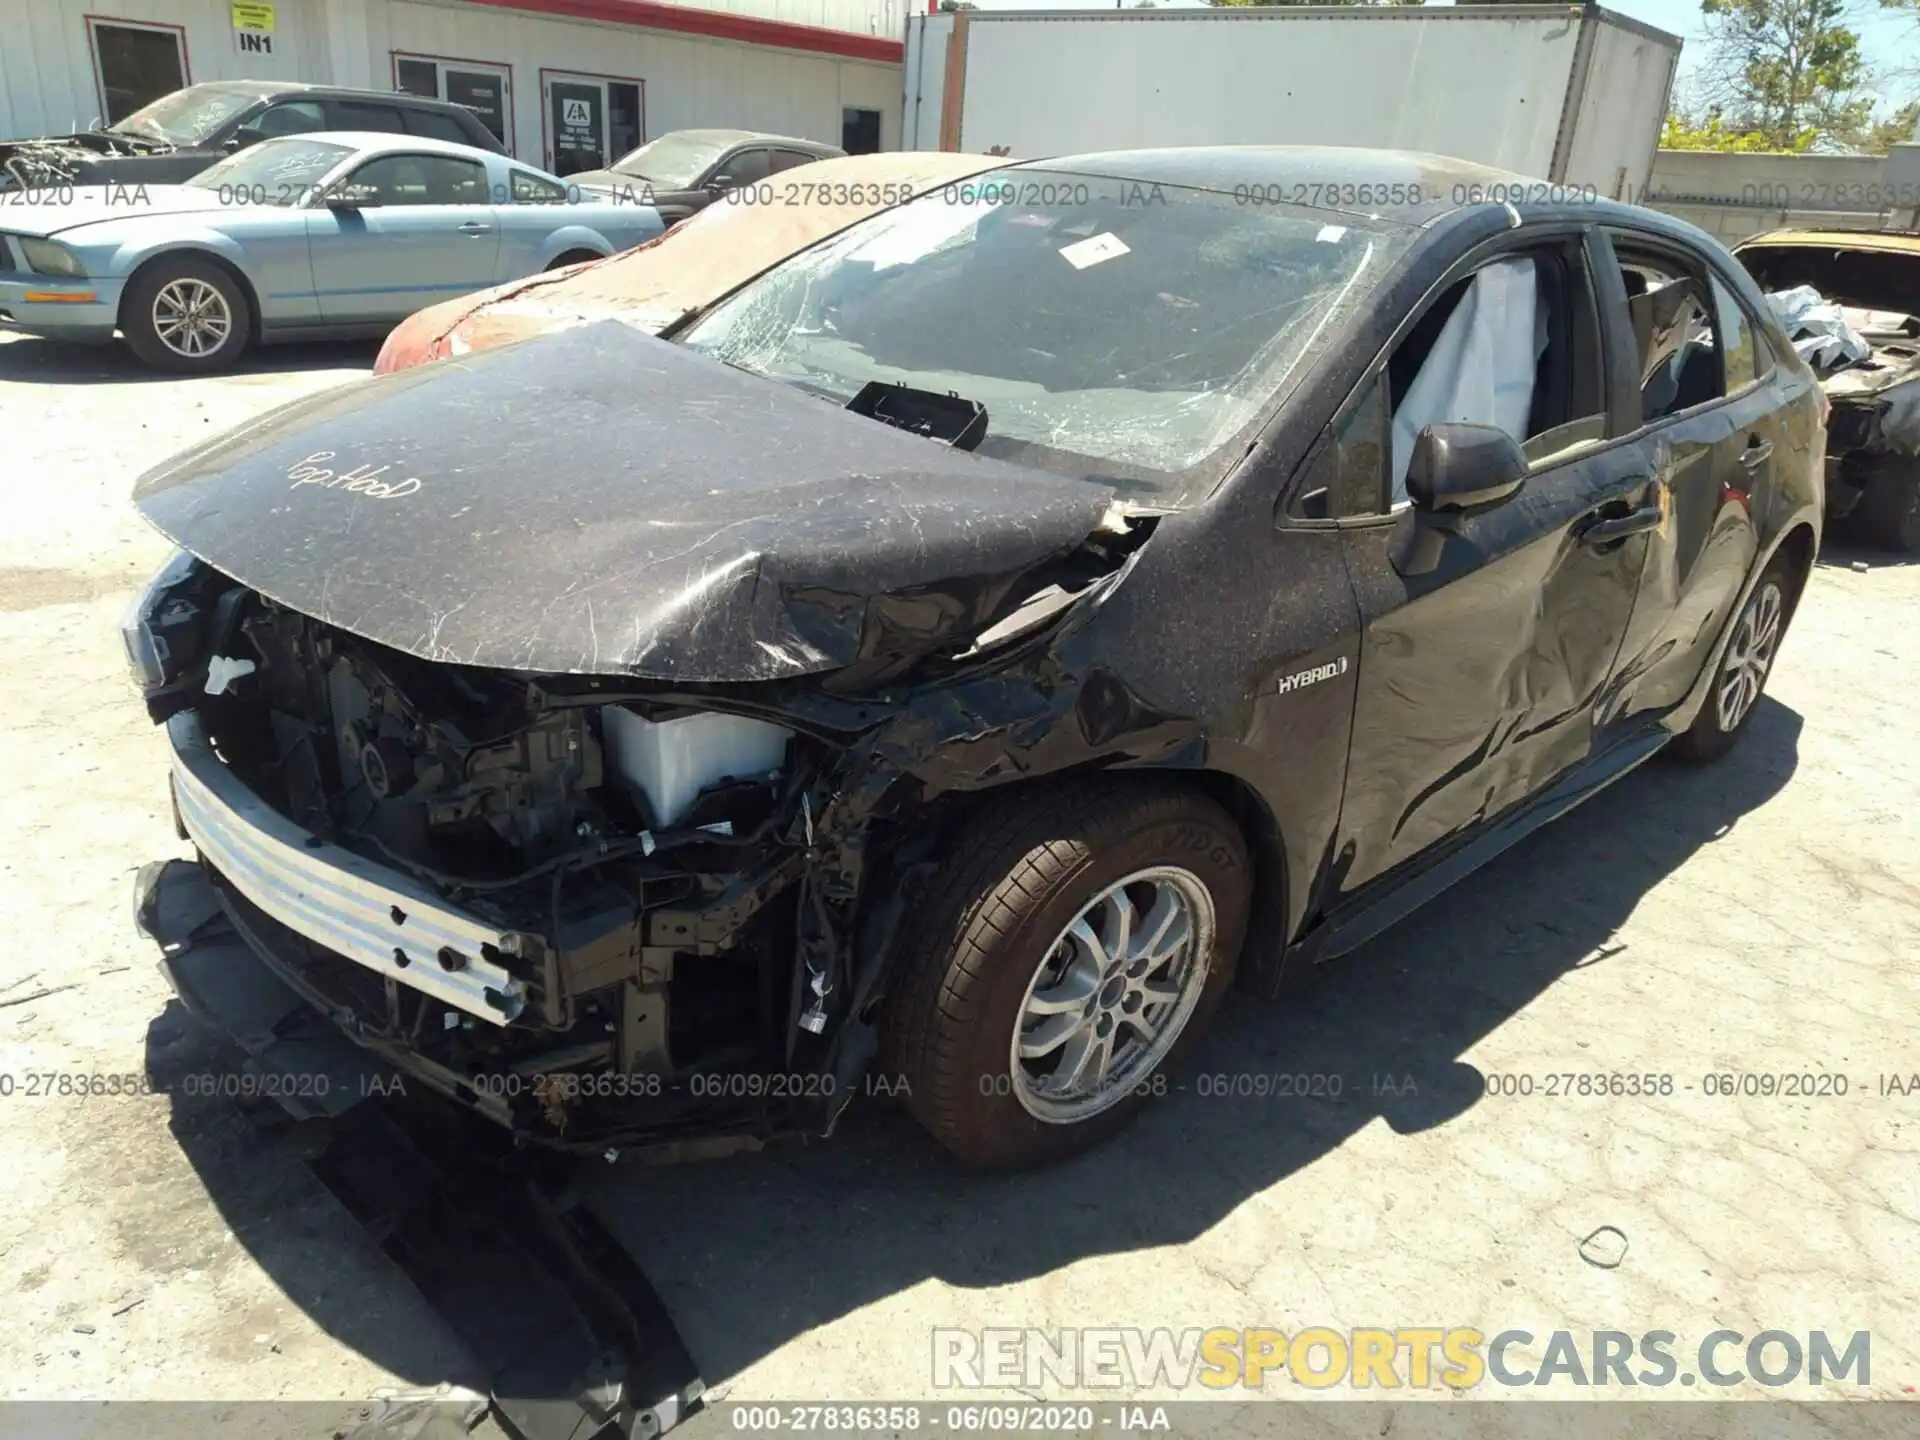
{"x":664,"y":282}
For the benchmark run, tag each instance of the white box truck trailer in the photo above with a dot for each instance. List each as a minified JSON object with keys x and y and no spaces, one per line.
{"x":1568,"y":93}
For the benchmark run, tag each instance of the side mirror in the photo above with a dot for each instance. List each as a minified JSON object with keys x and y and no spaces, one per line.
{"x":1455,"y":468}
{"x":348,"y":198}
{"x":1458,"y":467}
{"x":719,"y":183}
{"x":243,"y":137}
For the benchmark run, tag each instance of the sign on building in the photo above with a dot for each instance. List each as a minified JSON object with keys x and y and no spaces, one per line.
{"x":252,"y":26}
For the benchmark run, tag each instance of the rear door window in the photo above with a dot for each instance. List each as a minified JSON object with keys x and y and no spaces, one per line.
{"x":436,"y":126}
{"x":531,"y":189}
{"x":289,"y":117}
{"x":788,"y":160}
{"x":361,"y":115}
{"x":1745,"y":362}
{"x":1670,"y":309}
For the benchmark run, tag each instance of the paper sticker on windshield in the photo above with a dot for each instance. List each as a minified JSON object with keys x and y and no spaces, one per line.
{"x":1329,"y":234}
{"x":1093,"y":250}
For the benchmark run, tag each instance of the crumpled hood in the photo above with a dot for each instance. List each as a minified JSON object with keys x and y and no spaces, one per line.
{"x":599,"y":501}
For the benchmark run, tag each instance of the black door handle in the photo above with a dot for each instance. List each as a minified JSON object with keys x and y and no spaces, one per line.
{"x":1756,"y":453}
{"x":1598,"y":530}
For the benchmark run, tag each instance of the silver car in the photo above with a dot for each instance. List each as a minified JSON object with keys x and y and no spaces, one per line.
{"x":330,"y":234}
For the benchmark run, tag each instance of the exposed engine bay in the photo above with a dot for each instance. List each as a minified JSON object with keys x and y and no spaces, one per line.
{"x":69,"y":159}
{"x":665,"y":870}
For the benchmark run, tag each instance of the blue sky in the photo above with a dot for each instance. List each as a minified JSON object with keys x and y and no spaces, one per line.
{"x":1889,"y":40}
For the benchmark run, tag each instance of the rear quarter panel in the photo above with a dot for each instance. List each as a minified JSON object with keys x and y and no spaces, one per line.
{"x":534,"y":236}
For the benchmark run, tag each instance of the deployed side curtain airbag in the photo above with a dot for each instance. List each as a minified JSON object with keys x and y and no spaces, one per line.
{"x":1482,"y":367}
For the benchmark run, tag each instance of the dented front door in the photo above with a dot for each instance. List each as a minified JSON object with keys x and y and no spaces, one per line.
{"x":1477,"y":683}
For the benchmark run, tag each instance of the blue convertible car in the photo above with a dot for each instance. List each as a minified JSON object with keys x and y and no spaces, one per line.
{"x":305,"y":236}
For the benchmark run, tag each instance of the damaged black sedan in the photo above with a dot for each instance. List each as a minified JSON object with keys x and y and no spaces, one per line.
{"x":956,"y":658}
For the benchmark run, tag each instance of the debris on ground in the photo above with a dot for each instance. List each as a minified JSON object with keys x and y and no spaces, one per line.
{"x":1605,"y":1248}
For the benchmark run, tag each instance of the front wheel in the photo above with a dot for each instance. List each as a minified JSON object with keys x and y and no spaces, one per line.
{"x":1744,"y":668}
{"x":1070,"y":950}
{"x":186,"y":315}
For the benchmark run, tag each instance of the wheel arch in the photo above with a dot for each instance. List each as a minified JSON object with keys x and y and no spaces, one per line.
{"x":1265,"y":944}
{"x":1799,"y":542}
{"x":212,"y":257}
{"x":571,"y":238}
{"x":576,"y":256}
{"x":1800,"y":546}
{"x":1262,"y":952}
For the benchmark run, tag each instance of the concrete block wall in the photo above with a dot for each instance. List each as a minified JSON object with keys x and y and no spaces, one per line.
{"x":1733,"y":196}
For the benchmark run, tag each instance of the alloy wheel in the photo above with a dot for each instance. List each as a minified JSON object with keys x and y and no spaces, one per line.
{"x":1112,"y":995}
{"x":191,"y":317}
{"x":1750,"y":655}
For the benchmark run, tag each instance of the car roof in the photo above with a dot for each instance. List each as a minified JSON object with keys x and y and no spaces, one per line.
{"x":266,"y":88}
{"x":1884,"y":242}
{"x":1420,"y":188}
{"x":376,"y":141}
{"x":761,"y":137}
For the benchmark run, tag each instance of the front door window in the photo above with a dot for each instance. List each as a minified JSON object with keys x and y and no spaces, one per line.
{"x":137,"y":64}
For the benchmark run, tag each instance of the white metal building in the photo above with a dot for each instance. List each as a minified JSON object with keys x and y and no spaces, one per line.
{"x":821,"y":69}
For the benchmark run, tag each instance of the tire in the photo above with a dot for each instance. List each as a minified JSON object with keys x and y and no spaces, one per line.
{"x":575,"y":257}
{"x":170,"y":288}
{"x":993,"y":928}
{"x":1888,"y":513}
{"x":1757,"y":633}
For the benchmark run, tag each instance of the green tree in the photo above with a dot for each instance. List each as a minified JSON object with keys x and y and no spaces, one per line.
{"x":1711,"y":132}
{"x":1782,"y":68}
{"x":1880,"y":136}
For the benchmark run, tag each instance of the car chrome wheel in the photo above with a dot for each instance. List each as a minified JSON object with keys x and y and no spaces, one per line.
{"x":191,"y":318}
{"x":1116,"y":988}
{"x":1750,"y":655}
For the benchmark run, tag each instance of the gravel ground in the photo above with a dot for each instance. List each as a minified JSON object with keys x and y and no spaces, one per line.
{"x":1759,"y":916}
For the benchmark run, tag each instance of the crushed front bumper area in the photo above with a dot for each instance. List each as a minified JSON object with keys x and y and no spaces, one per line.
{"x":368,"y":913}
{"x":337,"y":974}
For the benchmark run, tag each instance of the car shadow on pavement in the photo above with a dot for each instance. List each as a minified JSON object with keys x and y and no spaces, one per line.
{"x":752,"y":1252}
{"x":27,"y":360}
{"x":251,"y":1158}
{"x":749,"y":1253}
